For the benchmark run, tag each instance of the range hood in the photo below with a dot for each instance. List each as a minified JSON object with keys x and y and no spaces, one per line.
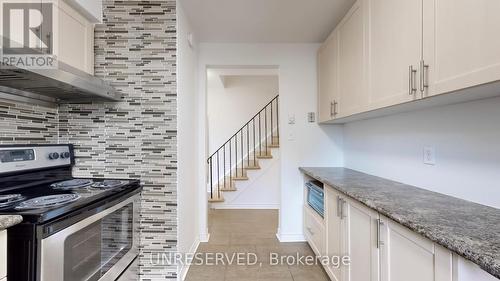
{"x":65,"y":84}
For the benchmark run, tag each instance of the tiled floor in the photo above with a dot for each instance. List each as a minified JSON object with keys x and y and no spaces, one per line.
{"x":251,"y":231}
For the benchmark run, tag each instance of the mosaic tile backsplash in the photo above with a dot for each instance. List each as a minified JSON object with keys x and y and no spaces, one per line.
{"x":135,"y":50}
{"x":25,"y":123}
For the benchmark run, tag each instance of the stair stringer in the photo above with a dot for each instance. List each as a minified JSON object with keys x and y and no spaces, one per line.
{"x":260,"y":191}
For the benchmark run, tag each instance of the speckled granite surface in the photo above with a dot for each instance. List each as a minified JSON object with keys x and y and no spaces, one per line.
{"x":469,"y":229}
{"x":8,"y":221}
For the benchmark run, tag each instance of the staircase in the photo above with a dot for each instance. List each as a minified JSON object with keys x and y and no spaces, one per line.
{"x":242,"y":152}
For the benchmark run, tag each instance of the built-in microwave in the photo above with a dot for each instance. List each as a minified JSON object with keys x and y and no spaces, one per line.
{"x":316,"y":197}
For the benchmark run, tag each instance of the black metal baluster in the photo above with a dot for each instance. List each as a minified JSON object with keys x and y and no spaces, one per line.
{"x":218,"y":174}
{"x":224,"y":163}
{"x":248,"y":146}
{"x":260,"y":136}
{"x":277,"y":119}
{"x":230,"y":165}
{"x":265,"y":127}
{"x":253,"y":123}
{"x":242,"y":162}
{"x":272,"y":122}
{"x":211,"y":183}
{"x":236,"y":153}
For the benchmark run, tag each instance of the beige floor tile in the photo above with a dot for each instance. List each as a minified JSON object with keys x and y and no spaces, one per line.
{"x":208,"y":273}
{"x":308,"y":273}
{"x":251,"y":231}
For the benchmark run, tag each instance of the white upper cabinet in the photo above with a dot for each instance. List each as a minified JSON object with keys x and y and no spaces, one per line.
{"x":327,"y":78}
{"x":394,"y":36}
{"x":91,"y":9}
{"x":461,"y":43}
{"x":352,"y":55}
{"x":75,"y":40}
{"x":392,"y":52}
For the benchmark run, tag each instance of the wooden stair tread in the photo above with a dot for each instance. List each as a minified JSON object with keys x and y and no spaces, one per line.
{"x":264,"y":156}
{"x":228,"y":189}
{"x":215,"y":199}
{"x":240,"y":178}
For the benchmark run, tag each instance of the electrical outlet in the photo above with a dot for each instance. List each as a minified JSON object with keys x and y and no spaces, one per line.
{"x":429,"y":155}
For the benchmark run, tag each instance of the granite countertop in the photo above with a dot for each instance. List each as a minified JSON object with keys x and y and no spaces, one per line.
{"x":469,"y":229}
{"x":7,"y":221}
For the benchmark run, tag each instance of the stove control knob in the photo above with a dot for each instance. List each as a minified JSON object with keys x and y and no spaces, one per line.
{"x":64,"y":154}
{"x":53,"y":155}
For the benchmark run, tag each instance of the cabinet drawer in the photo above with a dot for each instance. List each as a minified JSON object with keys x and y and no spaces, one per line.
{"x":314,"y":230}
{"x":3,"y":254}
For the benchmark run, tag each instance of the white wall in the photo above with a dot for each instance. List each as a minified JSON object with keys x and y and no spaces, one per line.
{"x":187,"y":184}
{"x":466,"y":138}
{"x":302,"y":144}
{"x":232,"y":104}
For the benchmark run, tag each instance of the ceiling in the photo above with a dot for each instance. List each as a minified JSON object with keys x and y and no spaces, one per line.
{"x":264,"y":21}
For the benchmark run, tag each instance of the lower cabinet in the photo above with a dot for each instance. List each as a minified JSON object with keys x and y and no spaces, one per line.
{"x":379,"y":248}
{"x":360,"y":242}
{"x":3,"y":255}
{"x":334,"y":235}
{"x":314,"y":230}
{"x":405,"y":255}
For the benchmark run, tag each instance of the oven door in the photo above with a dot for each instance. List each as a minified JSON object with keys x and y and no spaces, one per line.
{"x":99,"y":247}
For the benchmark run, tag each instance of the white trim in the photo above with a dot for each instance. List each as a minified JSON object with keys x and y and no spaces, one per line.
{"x":205,"y":237}
{"x":290,"y":237}
{"x":184,"y":268}
{"x":246,"y":206}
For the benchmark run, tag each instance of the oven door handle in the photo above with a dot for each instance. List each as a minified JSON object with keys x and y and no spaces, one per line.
{"x":52,"y":247}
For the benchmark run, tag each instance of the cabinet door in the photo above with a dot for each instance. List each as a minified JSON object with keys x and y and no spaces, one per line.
{"x":360,"y":228}
{"x":327,"y":78}
{"x":75,"y":43}
{"x":352,"y":55}
{"x":3,"y":253}
{"x":461,"y":43}
{"x":333,"y":230}
{"x":395,"y":45}
{"x":405,"y":255}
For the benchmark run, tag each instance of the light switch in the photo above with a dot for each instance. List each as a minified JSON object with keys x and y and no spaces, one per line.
{"x":311,"y":118}
{"x":429,"y":155}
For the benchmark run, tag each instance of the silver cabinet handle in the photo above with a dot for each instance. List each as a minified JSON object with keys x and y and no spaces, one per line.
{"x":424,"y":68}
{"x":379,"y":237}
{"x":333,"y":108}
{"x":339,"y":207}
{"x":412,"y":88}
{"x":342,"y":202}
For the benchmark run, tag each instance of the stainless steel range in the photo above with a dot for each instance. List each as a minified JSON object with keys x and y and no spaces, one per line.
{"x":73,"y":229}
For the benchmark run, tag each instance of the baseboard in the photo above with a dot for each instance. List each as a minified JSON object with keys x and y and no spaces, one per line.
{"x":204,"y":237}
{"x":290,"y":237}
{"x":247,"y":206}
{"x":183,"y":270}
